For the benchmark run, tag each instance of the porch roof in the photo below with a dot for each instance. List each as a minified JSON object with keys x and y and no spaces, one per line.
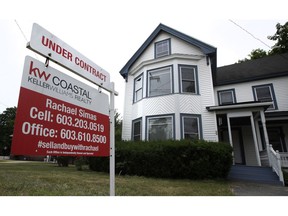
{"x":244,"y":105}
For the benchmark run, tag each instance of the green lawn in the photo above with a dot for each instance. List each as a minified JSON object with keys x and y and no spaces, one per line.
{"x":46,"y":179}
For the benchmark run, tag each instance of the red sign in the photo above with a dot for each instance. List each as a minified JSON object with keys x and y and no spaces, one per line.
{"x":58,"y":115}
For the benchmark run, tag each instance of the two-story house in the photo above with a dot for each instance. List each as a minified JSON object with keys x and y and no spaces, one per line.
{"x":168,"y":87}
{"x":174,"y":90}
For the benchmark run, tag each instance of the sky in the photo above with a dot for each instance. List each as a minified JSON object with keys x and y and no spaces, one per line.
{"x":109,"y":32}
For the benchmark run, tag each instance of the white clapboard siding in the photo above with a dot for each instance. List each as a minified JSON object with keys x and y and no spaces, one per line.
{"x":244,"y":91}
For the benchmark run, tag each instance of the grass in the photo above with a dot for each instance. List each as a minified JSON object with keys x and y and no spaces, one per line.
{"x":46,"y":179}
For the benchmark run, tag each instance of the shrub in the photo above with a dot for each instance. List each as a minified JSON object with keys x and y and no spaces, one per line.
{"x":170,"y":159}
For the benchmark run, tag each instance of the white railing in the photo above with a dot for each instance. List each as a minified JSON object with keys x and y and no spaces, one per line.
{"x":284,"y":159}
{"x":275,"y":161}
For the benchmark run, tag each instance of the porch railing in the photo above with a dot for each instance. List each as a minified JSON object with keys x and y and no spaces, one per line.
{"x":284,"y":159}
{"x":275,"y":160}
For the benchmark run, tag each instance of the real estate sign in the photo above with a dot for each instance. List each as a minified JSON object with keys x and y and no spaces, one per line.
{"x":48,"y":45}
{"x":59,"y":115}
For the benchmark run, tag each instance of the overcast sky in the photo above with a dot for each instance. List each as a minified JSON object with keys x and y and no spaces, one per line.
{"x":110,"y":32}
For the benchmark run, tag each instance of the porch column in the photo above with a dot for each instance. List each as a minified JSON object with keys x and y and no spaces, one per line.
{"x":263,"y":120}
{"x":230,"y":137}
{"x":255,"y":140}
{"x":258,"y":135}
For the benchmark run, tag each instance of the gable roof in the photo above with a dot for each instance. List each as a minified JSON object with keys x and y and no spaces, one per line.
{"x":206,"y":49}
{"x":263,"y":68}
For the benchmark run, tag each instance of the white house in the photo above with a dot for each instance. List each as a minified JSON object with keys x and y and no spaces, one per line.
{"x":174,"y":90}
{"x":168,"y":87}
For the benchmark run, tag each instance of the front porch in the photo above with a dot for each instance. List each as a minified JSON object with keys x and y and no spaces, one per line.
{"x":255,"y":142}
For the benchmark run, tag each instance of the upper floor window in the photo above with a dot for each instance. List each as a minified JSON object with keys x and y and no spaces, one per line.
{"x":265,"y":93}
{"x":138,"y":88}
{"x":160,"y":128}
{"x":188,"y":79}
{"x":162,"y":48}
{"x":226,"y":97}
{"x":136,"y":130}
{"x":160,"y":81}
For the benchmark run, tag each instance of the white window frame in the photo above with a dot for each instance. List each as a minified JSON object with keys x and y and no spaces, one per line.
{"x":162,"y":48}
{"x":138,"y":88}
{"x":272,"y":95}
{"x":196,"y":87}
{"x":169,"y":134}
{"x":232,"y":91}
{"x":199,"y":127}
{"x":133,"y":129}
{"x":155,"y":75}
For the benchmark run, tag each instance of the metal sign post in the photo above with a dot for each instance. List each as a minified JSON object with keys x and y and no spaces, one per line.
{"x":112,"y":142}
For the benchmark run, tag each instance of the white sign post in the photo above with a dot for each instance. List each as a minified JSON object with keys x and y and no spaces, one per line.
{"x":51,"y":47}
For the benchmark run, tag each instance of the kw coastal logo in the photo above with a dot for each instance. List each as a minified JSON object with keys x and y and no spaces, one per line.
{"x":56,"y":84}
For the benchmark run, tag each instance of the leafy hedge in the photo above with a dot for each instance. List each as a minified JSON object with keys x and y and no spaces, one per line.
{"x":169,"y":159}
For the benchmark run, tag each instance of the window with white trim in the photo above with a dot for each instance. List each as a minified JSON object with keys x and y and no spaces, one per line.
{"x":160,"y":81}
{"x":226,"y":97}
{"x":162,"y":48}
{"x":265,"y":93}
{"x":191,"y":127}
{"x":188,"y":77}
{"x":160,"y":128}
{"x":136,"y":130}
{"x":138,"y":88}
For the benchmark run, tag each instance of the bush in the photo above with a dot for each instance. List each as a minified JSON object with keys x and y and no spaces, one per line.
{"x":63,"y":161}
{"x":170,"y":159}
{"x":285,"y":176}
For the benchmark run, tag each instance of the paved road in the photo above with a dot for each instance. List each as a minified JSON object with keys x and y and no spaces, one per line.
{"x":255,"y":189}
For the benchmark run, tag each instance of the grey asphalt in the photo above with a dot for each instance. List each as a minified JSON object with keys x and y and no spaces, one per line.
{"x":255,"y":189}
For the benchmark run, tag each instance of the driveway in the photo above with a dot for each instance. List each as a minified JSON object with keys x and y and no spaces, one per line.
{"x":256,"y":189}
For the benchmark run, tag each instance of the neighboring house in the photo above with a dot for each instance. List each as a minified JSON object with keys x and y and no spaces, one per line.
{"x":174,"y":90}
{"x":252,"y":105}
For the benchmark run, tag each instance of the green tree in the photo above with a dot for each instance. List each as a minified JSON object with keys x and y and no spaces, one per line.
{"x":7,"y":119}
{"x":257,"y":53}
{"x":281,"y":45}
{"x":281,"y":38}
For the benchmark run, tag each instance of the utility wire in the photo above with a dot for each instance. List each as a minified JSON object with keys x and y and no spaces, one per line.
{"x":256,"y":38}
{"x":24,"y":36}
{"x":250,"y":33}
{"x":21,"y":31}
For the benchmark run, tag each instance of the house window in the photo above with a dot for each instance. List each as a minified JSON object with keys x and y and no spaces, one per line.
{"x":160,"y":81}
{"x":138,"y":88}
{"x":162,"y":48}
{"x":226,"y":97}
{"x":160,"y":128}
{"x":136,"y":130}
{"x":191,"y":128}
{"x":265,"y":93}
{"x":188,"y":78}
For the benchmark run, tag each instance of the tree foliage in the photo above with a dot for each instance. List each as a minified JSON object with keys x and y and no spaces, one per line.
{"x":7,"y":119}
{"x":281,"y":45}
{"x":281,"y":38}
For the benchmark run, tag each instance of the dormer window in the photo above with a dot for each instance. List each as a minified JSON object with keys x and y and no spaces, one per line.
{"x":162,"y":48}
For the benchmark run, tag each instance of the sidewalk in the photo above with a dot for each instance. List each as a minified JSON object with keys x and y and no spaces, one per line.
{"x":255,"y":189}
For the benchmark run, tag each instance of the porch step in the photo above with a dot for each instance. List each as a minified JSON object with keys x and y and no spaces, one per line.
{"x":263,"y":175}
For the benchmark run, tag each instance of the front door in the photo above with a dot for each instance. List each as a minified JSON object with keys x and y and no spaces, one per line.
{"x":238,"y":147}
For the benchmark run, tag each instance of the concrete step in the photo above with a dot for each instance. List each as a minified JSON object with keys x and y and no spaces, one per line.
{"x":254,"y":174}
